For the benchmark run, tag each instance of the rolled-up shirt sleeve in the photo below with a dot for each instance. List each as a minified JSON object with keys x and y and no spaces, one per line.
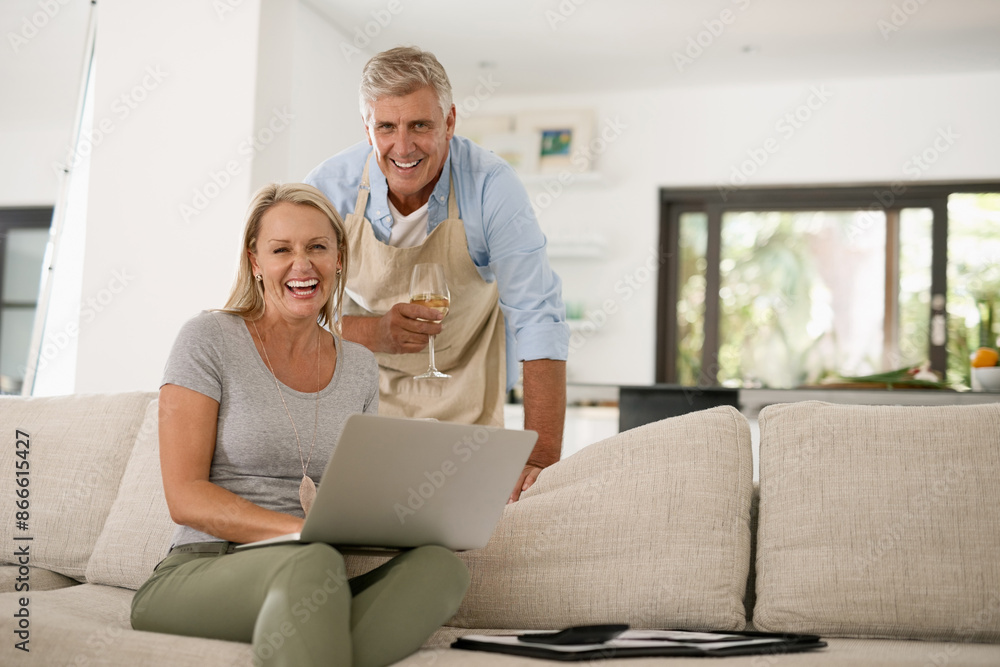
{"x":530,"y":291}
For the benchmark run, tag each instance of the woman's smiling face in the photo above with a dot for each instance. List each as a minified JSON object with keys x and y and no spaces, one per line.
{"x":297,"y":257}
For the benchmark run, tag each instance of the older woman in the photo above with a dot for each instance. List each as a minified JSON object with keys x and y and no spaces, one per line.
{"x":253,"y":399}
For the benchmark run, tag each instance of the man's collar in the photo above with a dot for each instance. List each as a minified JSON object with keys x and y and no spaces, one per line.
{"x":440,"y":192}
{"x":379,"y":186}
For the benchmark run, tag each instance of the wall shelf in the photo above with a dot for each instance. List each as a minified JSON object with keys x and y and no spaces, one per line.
{"x":582,"y":246}
{"x":577,"y":324}
{"x":578,"y":251}
{"x":577,"y":178}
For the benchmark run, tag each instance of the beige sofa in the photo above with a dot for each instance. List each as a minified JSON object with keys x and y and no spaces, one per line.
{"x":879,"y":529}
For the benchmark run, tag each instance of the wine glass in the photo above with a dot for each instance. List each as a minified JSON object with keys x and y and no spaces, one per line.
{"x":428,"y":288}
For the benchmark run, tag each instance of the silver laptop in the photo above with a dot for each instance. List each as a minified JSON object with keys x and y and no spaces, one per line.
{"x":396,"y":483}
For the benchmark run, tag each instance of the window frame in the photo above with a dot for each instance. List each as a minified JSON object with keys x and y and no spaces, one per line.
{"x":19,"y":218}
{"x":882,"y":198}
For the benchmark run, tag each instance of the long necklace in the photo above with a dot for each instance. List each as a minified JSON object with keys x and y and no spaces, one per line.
{"x":307,"y":488}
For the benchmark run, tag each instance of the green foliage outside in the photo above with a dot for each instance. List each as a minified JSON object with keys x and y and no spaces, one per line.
{"x":973,"y":279}
{"x":783,"y":275}
{"x":691,"y":299}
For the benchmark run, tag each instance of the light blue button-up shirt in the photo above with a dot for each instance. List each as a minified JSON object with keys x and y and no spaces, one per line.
{"x":505,"y":242}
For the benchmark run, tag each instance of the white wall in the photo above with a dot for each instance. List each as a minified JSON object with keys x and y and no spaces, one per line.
{"x":169,"y":188}
{"x":176,"y":82}
{"x":177,"y":142}
{"x":274,"y":112}
{"x":325,"y":93}
{"x":863,"y":130}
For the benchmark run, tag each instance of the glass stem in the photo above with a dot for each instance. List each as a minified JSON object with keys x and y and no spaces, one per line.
{"x":430,"y":346}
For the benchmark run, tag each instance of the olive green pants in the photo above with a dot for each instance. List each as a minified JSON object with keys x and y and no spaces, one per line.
{"x":295,"y":605}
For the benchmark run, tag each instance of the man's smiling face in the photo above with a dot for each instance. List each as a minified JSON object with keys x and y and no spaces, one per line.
{"x":410,"y":135}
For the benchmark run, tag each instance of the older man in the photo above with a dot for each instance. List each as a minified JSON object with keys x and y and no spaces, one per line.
{"x":416,"y":193}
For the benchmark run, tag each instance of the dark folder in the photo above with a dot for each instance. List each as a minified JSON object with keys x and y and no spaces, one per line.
{"x":565,"y":646}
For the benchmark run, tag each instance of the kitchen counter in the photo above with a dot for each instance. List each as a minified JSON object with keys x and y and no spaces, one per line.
{"x":596,"y":412}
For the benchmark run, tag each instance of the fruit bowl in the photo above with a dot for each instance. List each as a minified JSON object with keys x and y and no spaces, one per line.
{"x":986,"y":378}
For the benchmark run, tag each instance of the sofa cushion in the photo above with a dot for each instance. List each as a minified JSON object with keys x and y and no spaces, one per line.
{"x":14,"y":579}
{"x":90,"y":626}
{"x":137,"y":533}
{"x":879,"y":521}
{"x":649,"y":527}
{"x":79,"y":446}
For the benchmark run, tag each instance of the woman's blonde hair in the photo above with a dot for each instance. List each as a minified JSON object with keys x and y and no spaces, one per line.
{"x":246,"y":299}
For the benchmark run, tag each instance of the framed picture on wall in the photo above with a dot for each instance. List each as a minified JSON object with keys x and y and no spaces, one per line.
{"x":558,"y":136}
{"x":518,"y":149}
{"x":497,"y":134}
{"x":478,"y":127}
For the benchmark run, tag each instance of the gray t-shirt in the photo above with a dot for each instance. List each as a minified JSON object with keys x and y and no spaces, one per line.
{"x":255,"y":452}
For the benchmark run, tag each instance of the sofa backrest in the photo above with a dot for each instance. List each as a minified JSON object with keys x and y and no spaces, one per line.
{"x":879,"y":521}
{"x":137,"y":532}
{"x":658,"y":517}
{"x":650,"y":527}
{"x":75,"y":451}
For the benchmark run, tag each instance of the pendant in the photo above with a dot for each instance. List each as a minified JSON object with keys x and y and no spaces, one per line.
{"x":307,"y":493}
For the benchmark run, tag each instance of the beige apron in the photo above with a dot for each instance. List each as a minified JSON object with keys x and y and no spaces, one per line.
{"x":471,"y":346}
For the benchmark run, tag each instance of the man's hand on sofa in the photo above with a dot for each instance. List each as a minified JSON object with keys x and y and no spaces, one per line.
{"x":528,"y":477}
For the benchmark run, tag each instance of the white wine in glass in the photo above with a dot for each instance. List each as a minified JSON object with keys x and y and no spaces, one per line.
{"x":429,"y":288}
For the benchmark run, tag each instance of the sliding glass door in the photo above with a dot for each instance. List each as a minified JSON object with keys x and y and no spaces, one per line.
{"x":766,"y":290}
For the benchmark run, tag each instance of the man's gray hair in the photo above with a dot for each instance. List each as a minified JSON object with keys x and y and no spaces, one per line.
{"x":401,"y":71}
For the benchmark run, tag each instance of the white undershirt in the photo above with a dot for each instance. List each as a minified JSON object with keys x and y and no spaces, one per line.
{"x":408,"y":230}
